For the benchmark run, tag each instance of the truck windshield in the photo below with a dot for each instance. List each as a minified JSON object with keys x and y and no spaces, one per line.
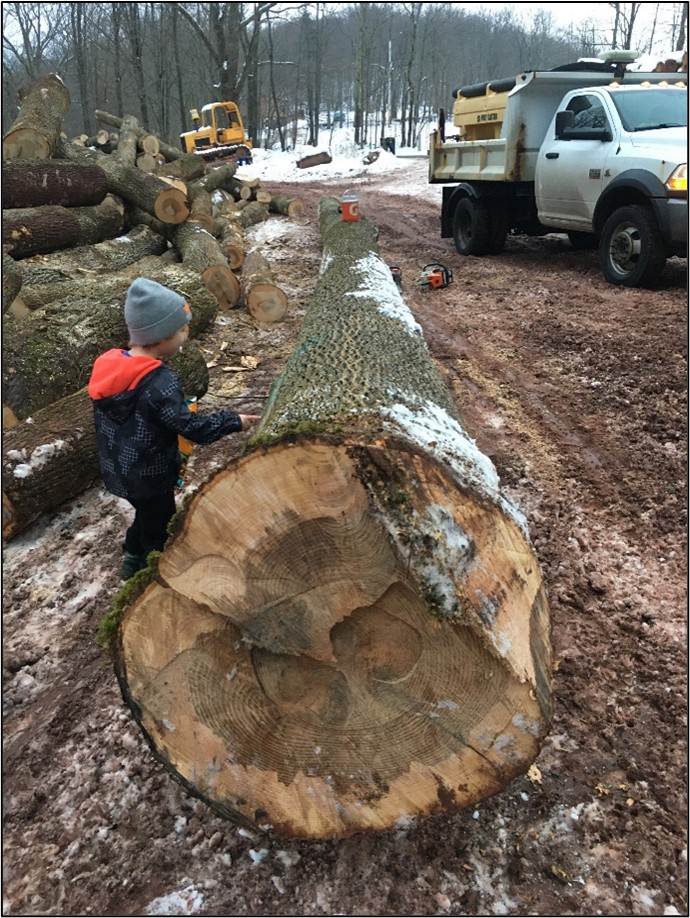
{"x":648,"y":109}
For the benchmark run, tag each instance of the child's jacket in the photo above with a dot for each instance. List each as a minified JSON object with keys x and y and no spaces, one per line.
{"x":139,"y":410}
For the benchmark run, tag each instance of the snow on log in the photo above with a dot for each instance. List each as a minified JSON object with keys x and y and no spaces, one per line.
{"x":55,"y":457}
{"x":36,"y":130}
{"x":48,"y":354}
{"x":31,"y":184}
{"x":348,"y":626}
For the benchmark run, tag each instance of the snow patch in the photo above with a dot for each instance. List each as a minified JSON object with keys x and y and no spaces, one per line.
{"x":39,"y":457}
{"x":187,"y":901}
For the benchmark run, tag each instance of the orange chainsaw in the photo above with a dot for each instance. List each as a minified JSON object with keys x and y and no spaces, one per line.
{"x":435,"y":276}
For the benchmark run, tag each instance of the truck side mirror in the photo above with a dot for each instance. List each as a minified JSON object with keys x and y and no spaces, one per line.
{"x":564,"y":121}
{"x":566,"y":130}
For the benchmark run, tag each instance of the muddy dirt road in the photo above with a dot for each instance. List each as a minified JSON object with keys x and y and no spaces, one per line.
{"x":577,"y":391}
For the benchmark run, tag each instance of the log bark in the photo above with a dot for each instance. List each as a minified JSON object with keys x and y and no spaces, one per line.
{"x":170,"y":152}
{"x":126,"y":152}
{"x":232,"y":243}
{"x":40,"y":230}
{"x":11,"y":281}
{"x":202,"y":254}
{"x":35,"y":132}
{"x":316,"y":159}
{"x":368,"y":640}
{"x":54,"y":458}
{"x":105,"y":257}
{"x":250,"y":215}
{"x":289,"y":207}
{"x":188,"y":168}
{"x":264,"y":298}
{"x":150,"y":193}
{"x":222,"y":178}
{"x":47,"y":354}
{"x":33,"y":184}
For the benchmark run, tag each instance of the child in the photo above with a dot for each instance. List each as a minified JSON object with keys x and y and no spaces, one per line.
{"x":139,"y":410}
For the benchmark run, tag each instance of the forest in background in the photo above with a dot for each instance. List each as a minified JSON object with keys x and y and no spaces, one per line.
{"x":386,"y":63}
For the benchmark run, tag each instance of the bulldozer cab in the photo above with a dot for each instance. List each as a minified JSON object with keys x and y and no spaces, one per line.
{"x":218,"y":125}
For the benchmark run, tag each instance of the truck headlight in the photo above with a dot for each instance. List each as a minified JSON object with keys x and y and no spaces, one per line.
{"x":677,"y":182}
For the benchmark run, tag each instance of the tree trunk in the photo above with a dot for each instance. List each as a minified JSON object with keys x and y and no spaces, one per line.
{"x":289,"y":207}
{"x":166,"y":149}
{"x":232,"y":243}
{"x":317,"y":159}
{"x":126,"y":152}
{"x":250,"y":215}
{"x":188,"y":168}
{"x":202,"y":210}
{"x":146,"y":191}
{"x":202,"y":254}
{"x":11,"y":281}
{"x":104,"y":257}
{"x":40,"y":230}
{"x":34,"y":184}
{"x":264,"y":298}
{"x":348,"y":627}
{"x":55,"y":457}
{"x":36,"y":131}
{"x":48,"y":354}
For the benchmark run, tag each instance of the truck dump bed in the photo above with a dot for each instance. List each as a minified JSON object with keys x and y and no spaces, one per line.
{"x":526,"y":112}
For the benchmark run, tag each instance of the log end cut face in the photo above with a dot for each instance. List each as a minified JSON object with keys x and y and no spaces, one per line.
{"x":295,"y":666}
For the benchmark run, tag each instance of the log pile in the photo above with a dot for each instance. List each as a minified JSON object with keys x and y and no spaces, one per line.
{"x":348,"y":627}
{"x":82,"y":218}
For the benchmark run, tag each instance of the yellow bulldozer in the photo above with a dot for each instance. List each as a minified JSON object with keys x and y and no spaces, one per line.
{"x":218,"y":134}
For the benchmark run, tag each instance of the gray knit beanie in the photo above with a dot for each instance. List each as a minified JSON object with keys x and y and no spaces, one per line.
{"x":153,"y":312}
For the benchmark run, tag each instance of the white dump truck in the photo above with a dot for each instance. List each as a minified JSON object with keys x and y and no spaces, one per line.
{"x":593,"y":149}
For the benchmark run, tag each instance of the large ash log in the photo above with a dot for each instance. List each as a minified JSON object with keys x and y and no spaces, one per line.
{"x":39,"y":230}
{"x":348,"y":626}
{"x":12,"y":280}
{"x":35,"y":132}
{"x":141,"y":189}
{"x":55,"y":457}
{"x":32,"y":184}
{"x":48,"y":354}
{"x":105,"y":257}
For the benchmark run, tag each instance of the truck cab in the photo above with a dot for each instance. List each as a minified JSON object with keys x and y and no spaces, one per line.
{"x":589,"y":149}
{"x":614,"y":146}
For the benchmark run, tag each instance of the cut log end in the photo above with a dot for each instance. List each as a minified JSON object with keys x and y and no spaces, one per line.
{"x":172,"y":206}
{"x":292,"y":664}
{"x":267,"y":303}
{"x":222,"y":283}
{"x":25,"y":144}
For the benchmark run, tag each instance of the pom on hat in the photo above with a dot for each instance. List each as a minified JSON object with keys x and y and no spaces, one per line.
{"x":154,"y":312}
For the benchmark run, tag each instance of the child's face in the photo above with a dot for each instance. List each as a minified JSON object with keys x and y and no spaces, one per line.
{"x":171,"y":346}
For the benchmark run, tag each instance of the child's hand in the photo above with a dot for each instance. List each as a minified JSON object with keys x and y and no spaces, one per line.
{"x":249,"y":419}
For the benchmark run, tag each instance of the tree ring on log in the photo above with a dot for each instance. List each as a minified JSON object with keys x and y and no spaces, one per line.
{"x":291,"y":665}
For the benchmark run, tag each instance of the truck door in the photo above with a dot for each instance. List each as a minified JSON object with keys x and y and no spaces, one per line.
{"x":570,"y":173}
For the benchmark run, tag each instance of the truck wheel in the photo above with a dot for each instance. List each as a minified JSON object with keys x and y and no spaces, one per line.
{"x":584,"y":242}
{"x":631,"y":250}
{"x":471,"y":227}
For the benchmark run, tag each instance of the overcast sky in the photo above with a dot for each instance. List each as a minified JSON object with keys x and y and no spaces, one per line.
{"x":599,"y":14}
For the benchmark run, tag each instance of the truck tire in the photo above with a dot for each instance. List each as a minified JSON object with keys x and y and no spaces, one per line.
{"x":471,"y":227}
{"x":631,"y":249}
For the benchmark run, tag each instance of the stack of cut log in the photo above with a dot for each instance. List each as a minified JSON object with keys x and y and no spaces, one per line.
{"x":82,"y":219}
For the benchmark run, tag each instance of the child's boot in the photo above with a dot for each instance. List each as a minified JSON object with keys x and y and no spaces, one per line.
{"x":131,"y":564}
